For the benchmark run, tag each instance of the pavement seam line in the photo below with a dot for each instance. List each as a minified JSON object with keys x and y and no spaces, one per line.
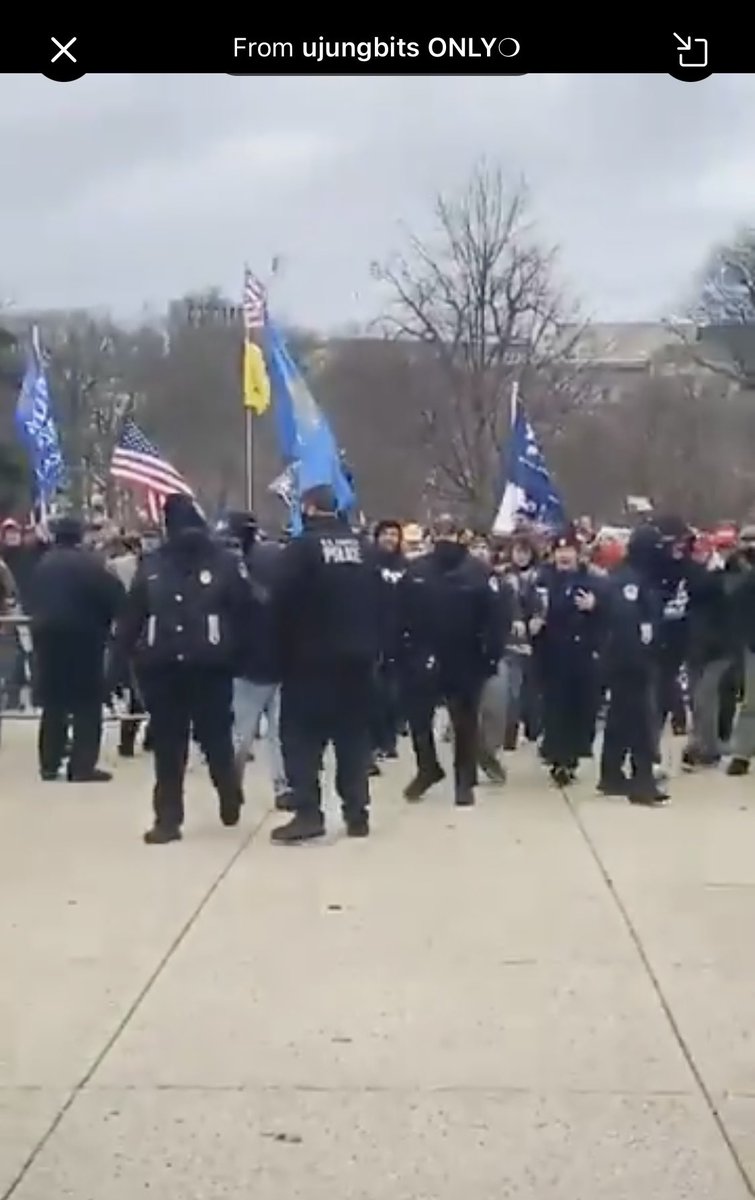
{"x":660,"y":994}
{"x":132,"y":1009}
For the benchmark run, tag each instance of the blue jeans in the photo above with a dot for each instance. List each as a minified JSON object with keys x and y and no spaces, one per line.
{"x":252,"y":701}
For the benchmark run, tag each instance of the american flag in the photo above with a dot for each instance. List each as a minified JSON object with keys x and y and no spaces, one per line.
{"x":254,"y":303}
{"x":137,"y":462}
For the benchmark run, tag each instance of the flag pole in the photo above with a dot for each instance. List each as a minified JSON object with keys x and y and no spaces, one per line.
{"x":249,"y":458}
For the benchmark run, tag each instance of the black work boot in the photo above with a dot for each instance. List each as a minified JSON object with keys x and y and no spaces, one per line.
{"x":161,"y":835}
{"x":650,"y":794}
{"x":738,"y":766}
{"x":284,"y":802}
{"x":302,"y":827}
{"x":423,"y":781}
{"x":357,"y":824}
{"x":619,"y":787}
{"x":95,"y":776}
{"x":464,"y":797}
{"x":230,"y":806}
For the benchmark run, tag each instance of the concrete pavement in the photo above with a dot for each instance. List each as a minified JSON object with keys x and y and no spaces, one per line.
{"x":540,"y":997}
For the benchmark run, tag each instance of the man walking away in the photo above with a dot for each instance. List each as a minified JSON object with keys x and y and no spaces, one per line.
{"x":256,"y":691}
{"x":73,"y":602}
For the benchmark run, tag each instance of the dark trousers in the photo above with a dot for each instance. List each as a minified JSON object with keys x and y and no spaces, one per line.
{"x":86,"y":723}
{"x":182,"y":699}
{"x":731,"y":689}
{"x":463,"y":704}
{"x":316,"y":710}
{"x":386,"y":715}
{"x":629,"y":728}
{"x":570,"y":700}
{"x":69,"y":668}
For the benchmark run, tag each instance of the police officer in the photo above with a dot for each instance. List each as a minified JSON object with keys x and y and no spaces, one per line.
{"x":453,"y":641}
{"x":568,"y":643}
{"x":632,"y":614}
{"x":182,"y":624}
{"x":325,"y":606}
{"x":73,"y":601}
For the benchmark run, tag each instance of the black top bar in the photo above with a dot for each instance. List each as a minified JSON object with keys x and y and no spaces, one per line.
{"x":635,"y":45}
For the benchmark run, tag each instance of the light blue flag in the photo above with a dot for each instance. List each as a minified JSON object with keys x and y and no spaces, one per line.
{"x":305,"y":439}
{"x":37,"y":428}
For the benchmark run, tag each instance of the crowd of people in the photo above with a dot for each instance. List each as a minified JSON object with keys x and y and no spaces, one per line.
{"x":357,"y":639}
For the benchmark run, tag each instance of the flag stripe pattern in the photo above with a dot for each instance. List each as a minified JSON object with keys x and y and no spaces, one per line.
{"x":254,"y":304}
{"x":137,"y":462}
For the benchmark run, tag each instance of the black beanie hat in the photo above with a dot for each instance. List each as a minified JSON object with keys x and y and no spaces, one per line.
{"x":68,"y":531}
{"x":182,"y":513}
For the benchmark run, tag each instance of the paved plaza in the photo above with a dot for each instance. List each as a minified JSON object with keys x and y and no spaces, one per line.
{"x":542,"y":998}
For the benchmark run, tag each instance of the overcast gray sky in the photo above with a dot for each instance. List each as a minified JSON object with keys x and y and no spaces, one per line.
{"x":121,"y":190}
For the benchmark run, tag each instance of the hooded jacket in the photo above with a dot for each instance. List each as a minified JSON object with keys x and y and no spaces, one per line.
{"x":452,"y":616}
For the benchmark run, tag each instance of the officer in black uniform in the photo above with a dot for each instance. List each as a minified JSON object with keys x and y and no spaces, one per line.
{"x":73,"y":601}
{"x":325,"y":611}
{"x":183,"y":623}
{"x":567,"y":637}
{"x":632,"y":614}
{"x":453,"y":640}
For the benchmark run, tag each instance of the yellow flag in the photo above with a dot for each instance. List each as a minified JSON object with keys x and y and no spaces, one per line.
{"x":256,"y":380}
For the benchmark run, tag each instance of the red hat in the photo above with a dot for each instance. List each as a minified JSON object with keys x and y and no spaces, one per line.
{"x":725,"y":537}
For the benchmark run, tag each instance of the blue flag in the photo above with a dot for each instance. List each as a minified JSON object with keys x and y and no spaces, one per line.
{"x":36,"y":426}
{"x":305,"y":439}
{"x":530,"y":491}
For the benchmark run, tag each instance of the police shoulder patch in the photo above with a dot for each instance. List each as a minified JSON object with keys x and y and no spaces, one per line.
{"x":631,"y":592}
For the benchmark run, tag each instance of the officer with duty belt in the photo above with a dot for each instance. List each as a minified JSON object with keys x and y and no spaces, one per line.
{"x":184,"y":621}
{"x":632,"y":615}
{"x":325,"y":613}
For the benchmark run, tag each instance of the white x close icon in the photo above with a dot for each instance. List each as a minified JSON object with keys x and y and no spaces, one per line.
{"x":63,"y":49}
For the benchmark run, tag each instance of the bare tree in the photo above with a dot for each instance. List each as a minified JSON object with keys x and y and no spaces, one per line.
{"x":481,"y":300}
{"x":97,"y":373}
{"x":723,"y":310}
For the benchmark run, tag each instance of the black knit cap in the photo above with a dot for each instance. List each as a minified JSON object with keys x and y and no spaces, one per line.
{"x":68,"y":531}
{"x":182,"y":513}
